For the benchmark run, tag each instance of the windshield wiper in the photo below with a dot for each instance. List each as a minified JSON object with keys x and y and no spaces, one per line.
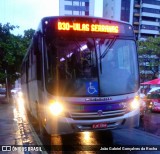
{"x":100,"y":63}
{"x":108,"y":47}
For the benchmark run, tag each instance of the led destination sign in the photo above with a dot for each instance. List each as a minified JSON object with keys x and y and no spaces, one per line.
{"x":66,"y":26}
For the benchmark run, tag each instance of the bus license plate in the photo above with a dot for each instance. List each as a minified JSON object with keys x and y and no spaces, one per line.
{"x":99,"y":125}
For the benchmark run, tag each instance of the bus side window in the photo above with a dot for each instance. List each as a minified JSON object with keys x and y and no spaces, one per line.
{"x":39,"y":67}
{"x":38,"y":53}
{"x":37,"y":44}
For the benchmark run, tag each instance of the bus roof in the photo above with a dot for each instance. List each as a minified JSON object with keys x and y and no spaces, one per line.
{"x":85,"y":17}
{"x":86,"y":24}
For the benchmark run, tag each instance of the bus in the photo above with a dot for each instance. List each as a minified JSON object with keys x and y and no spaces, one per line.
{"x":81,"y":74}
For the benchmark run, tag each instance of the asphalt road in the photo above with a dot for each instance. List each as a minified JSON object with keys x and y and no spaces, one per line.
{"x":151,"y":123}
{"x":94,"y":142}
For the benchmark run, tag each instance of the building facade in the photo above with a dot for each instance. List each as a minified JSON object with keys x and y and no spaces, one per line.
{"x":121,"y":10}
{"x":143,"y":14}
{"x":76,"y":7}
{"x":146,"y":20}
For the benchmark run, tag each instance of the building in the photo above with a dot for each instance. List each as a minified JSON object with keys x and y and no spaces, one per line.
{"x":146,"y":18}
{"x":143,"y":14}
{"x":76,"y":7}
{"x":146,"y":22}
{"x":121,"y":10}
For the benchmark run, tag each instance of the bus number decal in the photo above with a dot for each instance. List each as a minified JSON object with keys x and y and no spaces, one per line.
{"x":63,"y":26}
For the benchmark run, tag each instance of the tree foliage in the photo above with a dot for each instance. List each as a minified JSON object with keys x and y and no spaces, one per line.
{"x":12,"y":50}
{"x":149,"y":54}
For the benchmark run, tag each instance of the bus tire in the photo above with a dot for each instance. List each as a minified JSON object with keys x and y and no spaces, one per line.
{"x":41,"y":131}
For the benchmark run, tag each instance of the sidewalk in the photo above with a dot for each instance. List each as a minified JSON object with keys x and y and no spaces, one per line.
{"x":15,"y":129}
{"x":9,"y":133}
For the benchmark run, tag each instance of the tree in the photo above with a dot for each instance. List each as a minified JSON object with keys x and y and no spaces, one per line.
{"x":28,"y":34}
{"x":12,"y":50}
{"x":149,"y":57}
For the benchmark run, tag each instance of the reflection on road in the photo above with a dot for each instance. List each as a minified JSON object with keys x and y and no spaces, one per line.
{"x":87,"y":138}
{"x":24,"y":131}
{"x":83,"y":142}
{"x":19,"y":108}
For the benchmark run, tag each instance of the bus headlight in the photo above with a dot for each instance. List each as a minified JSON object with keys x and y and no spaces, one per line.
{"x":56,"y":108}
{"x":135,"y":104}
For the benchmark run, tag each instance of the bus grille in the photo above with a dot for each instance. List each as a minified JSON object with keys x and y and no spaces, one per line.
{"x":95,"y":116}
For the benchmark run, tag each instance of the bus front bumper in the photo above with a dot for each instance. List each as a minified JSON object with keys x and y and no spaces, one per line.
{"x":65,"y":125}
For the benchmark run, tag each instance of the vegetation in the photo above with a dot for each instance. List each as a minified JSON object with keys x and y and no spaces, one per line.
{"x":149,"y":58}
{"x":12,"y":50}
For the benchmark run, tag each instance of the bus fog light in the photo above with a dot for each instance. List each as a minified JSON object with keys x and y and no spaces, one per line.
{"x":56,"y":108}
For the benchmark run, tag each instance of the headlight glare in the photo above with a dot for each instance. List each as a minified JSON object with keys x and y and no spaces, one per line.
{"x":135,"y":104}
{"x":20,"y":94}
{"x":56,"y":108}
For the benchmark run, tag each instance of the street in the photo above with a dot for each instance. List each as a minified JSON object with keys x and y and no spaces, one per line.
{"x":17,"y":130}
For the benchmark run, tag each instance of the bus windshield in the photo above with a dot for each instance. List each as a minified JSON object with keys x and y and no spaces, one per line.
{"x":84,"y":66}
